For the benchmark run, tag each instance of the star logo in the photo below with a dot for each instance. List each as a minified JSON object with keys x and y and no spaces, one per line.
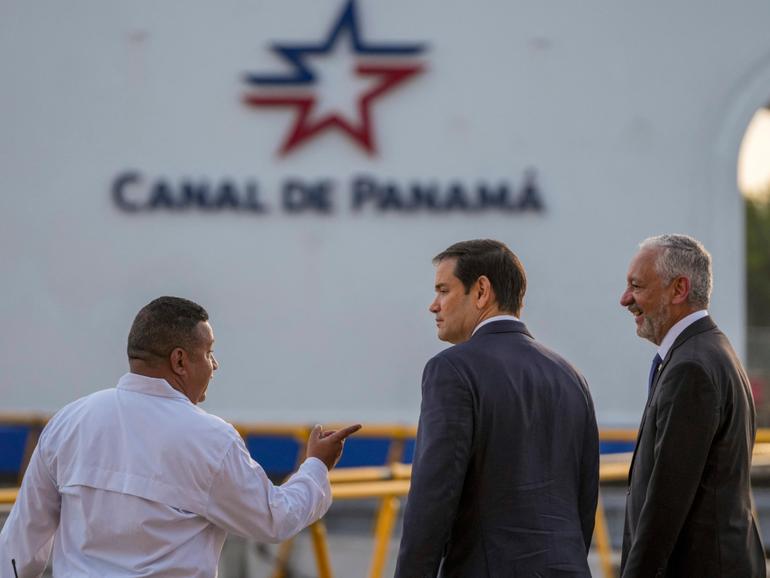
{"x":358,"y":71}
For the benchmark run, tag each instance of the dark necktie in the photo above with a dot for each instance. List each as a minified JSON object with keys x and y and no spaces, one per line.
{"x":653,"y":370}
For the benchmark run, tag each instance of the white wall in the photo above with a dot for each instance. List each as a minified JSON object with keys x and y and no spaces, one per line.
{"x":632,"y":116}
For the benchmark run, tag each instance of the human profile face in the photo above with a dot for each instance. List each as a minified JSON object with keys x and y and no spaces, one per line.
{"x":201,"y":363}
{"x":647,"y":297}
{"x":455,"y":310}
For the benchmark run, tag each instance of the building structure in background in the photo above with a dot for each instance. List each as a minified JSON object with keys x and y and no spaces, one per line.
{"x":296,"y":165}
{"x":754,"y":183}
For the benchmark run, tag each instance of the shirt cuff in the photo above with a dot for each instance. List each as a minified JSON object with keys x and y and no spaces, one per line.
{"x":316,"y":469}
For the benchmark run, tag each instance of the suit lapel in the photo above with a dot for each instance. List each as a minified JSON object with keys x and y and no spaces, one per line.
{"x":700,"y":326}
{"x":644,"y":417}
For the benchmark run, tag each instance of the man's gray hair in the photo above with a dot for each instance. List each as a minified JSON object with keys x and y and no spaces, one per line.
{"x":683,"y":256}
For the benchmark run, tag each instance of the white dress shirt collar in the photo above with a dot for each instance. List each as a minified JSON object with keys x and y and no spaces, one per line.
{"x":676,"y":331}
{"x":149,"y":386}
{"x":495,"y":318}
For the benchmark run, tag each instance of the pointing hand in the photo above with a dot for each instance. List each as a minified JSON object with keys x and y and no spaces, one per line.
{"x":327,"y":445}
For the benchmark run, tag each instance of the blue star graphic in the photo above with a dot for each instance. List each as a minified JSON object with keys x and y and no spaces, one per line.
{"x":303,"y":75}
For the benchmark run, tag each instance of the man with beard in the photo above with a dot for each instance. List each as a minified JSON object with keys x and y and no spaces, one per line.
{"x":688,"y":511}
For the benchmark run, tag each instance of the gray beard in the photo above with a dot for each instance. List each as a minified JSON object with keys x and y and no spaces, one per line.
{"x":651,"y":327}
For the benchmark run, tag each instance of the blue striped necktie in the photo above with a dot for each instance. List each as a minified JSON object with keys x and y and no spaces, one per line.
{"x":653,"y":370}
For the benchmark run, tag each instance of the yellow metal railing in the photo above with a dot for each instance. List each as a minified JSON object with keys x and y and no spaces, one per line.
{"x":390,"y":483}
{"x":617,"y":435}
{"x":8,"y":496}
{"x":35,"y":423}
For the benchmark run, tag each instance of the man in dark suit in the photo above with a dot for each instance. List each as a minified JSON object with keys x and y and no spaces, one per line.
{"x":505,"y":476}
{"x":688,"y":511}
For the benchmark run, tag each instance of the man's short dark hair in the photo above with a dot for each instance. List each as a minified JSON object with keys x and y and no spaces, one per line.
{"x":494,"y":260}
{"x":162,"y":325}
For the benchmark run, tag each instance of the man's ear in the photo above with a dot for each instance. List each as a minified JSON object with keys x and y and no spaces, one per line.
{"x":681,"y":288}
{"x":178,"y":361}
{"x":484,"y":294}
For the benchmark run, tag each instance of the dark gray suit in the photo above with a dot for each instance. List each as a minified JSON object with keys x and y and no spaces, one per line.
{"x":688,"y":511}
{"x":505,"y":477}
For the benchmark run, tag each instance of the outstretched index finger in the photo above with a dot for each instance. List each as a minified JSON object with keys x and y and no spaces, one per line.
{"x":341,"y":434}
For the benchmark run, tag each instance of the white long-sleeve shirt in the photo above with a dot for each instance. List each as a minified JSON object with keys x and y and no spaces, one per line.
{"x":138,"y":481}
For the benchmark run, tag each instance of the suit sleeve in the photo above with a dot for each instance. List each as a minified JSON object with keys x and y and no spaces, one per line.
{"x":444,"y":440}
{"x":686,"y":421}
{"x":589,"y":473}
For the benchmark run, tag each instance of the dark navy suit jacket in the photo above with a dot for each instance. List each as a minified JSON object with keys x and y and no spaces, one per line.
{"x":506,"y":466}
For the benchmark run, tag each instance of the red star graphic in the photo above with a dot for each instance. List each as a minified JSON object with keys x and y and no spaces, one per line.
{"x":361,"y":130}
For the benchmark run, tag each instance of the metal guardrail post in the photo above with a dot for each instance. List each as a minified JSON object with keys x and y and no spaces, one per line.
{"x":386,"y":519}
{"x":603,"y":543}
{"x":282,"y":559}
{"x":321,"y":549}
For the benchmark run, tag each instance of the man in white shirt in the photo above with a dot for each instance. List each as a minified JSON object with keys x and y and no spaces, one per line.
{"x":138,"y":481}
{"x":688,"y":510}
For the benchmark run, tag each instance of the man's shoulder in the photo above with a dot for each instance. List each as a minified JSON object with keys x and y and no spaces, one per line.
{"x":706,"y":345}
{"x":458,"y":353}
{"x":215,"y":423}
{"x":81,"y":404}
{"x":101,"y":406}
{"x":508,"y":349}
{"x":486,"y":342}
{"x":67,"y":419}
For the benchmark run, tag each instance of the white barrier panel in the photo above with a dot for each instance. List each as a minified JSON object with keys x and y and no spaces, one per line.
{"x":294,"y":166}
